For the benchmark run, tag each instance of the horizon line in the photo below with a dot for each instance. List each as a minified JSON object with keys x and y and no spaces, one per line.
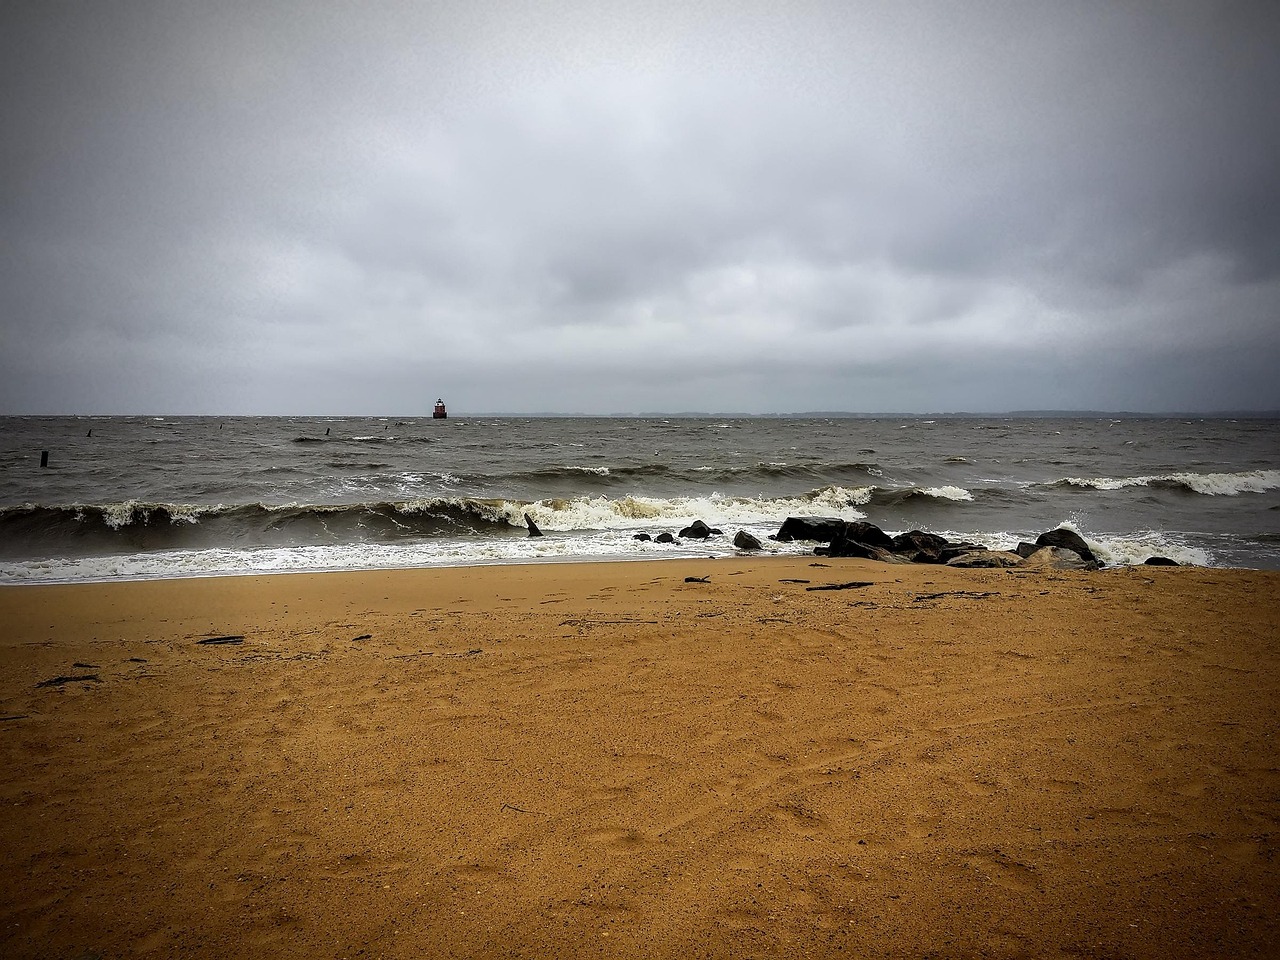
{"x":703,"y":414}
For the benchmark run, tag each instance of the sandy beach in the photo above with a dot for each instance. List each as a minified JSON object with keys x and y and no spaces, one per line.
{"x":606,"y":760}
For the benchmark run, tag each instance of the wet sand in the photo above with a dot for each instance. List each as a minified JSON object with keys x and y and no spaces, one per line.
{"x":605,"y":760}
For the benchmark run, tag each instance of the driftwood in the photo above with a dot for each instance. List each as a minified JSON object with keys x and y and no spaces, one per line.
{"x":588,"y":622}
{"x":853,"y":585}
{"x":59,"y":681}
{"x":973,"y":595}
{"x":512,"y":806}
{"x":218,"y":640}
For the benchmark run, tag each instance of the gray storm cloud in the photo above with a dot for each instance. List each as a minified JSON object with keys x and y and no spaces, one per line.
{"x":326,"y":207}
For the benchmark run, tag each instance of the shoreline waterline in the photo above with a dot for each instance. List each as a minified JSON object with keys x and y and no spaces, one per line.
{"x":155,"y":498}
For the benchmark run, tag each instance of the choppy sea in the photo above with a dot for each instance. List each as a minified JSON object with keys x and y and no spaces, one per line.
{"x":143,"y":497}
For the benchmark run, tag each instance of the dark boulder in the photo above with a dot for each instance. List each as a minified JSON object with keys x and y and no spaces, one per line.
{"x":868,"y":533}
{"x":1062,"y":537}
{"x":953,"y":550}
{"x":642,"y":536}
{"x":887,"y":556}
{"x":822,"y":529}
{"x":847,"y":547}
{"x":1160,"y":562}
{"x":664,"y":538}
{"x":1057,"y":558}
{"x":986,"y":558}
{"x":745,"y":541}
{"x":920,"y":547}
{"x":697,"y":531}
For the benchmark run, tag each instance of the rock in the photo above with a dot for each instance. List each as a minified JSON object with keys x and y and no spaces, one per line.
{"x":986,"y":558}
{"x":1024,"y":549}
{"x":745,"y":541}
{"x":920,"y":547}
{"x":846,"y":547}
{"x":859,"y":551}
{"x":696,"y":531}
{"x":953,"y":550}
{"x":1062,"y":537}
{"x":1160,"y":562}
{"x":642,"y":536}
{"x":868,"y":533}
{"x":860,"y":539}
{"x":887,"y":556}
{"x":822,"y":529}
{"x":1057,"y":558}
{"x":664,"y":538}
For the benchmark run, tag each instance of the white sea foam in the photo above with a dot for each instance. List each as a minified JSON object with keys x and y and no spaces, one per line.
{"x":1112,"y":549}
{"x":1107,"y":483}
{"x":593,"y":545}
{"x":1136,"y":548}
{"x":117,"y":515}
{"x":632,"y":513}
{"x":947,"y":493}
{"x":1211,"y":484}
{"x":1229,"y":484}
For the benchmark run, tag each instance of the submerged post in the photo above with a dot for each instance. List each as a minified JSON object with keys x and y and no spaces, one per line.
{"x":44,"y":458}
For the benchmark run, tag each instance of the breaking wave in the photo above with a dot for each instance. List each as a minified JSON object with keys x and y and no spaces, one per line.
{"x":38,"y":530}
{"x":897,"y":496}
{"x":1208,"y":484}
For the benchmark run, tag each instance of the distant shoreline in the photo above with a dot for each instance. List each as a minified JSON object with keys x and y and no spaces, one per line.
{"x":702,"y":415}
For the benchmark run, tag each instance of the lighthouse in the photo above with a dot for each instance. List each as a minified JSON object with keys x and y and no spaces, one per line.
{"x":439,"y":413}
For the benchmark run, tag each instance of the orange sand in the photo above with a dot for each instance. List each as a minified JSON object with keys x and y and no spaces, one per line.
{"x":603,"y":760}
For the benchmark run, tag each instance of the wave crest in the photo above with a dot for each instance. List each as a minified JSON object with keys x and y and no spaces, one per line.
{"x":1208,"y":484}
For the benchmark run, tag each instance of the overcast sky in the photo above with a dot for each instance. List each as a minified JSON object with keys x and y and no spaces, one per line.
{"x":322,"y":207}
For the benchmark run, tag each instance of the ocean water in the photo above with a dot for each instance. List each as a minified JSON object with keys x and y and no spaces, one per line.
{"x":141,"y":497}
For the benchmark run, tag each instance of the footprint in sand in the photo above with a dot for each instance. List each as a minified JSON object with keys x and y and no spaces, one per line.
{"x":616,"y":839}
